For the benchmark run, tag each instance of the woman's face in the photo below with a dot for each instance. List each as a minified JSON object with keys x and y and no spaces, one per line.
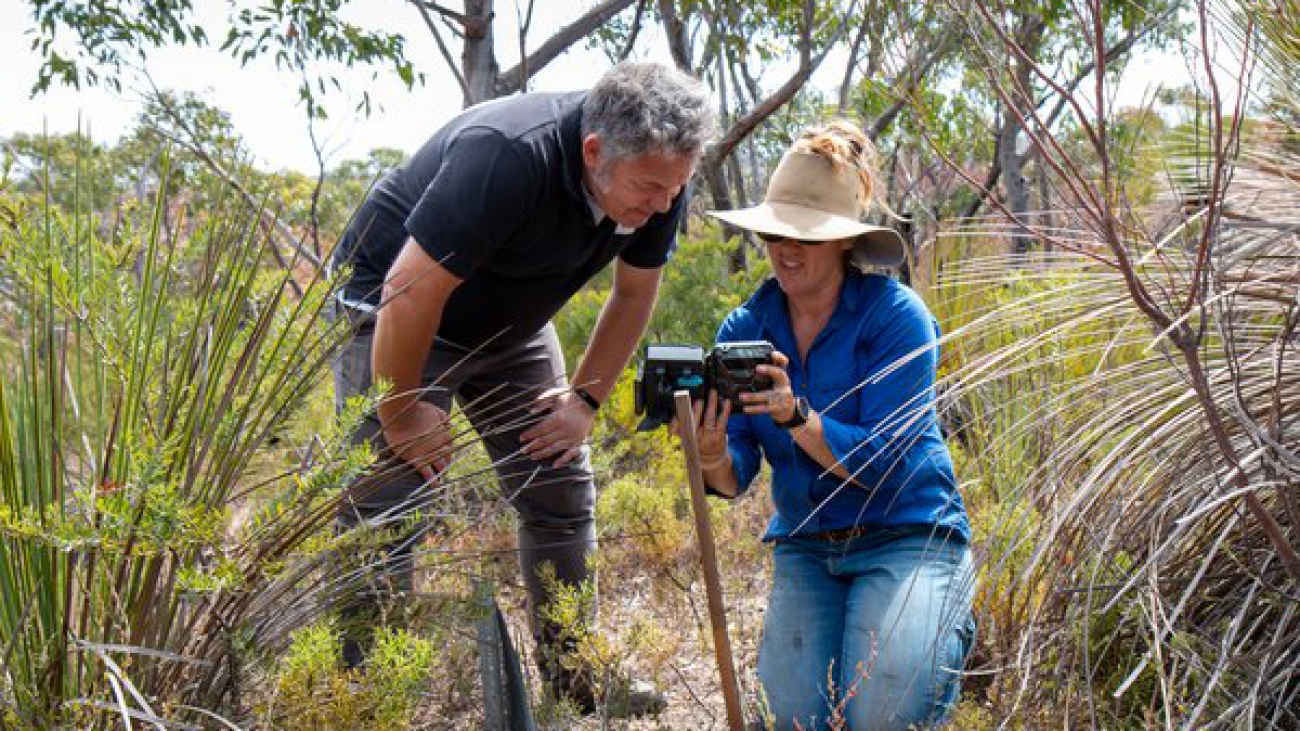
{"x":807,"y":270}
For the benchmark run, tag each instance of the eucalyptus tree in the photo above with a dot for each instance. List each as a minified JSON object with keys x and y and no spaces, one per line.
{"x":1018,"y":37}
{"x":478,"y":72}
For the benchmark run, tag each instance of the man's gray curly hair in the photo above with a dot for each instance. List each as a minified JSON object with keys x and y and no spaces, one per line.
{"x":640,"y":108}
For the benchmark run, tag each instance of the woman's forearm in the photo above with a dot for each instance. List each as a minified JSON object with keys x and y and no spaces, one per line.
{"x":719,"y":475}
{"x":812,"y":440}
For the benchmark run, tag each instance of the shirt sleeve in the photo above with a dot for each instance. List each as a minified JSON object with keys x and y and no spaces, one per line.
{"x":742,"y":442}
{"x":479,"y":198}
{"x":654,"y":243}
{"x":899,"y":357}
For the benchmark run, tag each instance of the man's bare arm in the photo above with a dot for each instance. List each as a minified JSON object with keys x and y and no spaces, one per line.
{"x":621,"y":324}
{"x":415,"y":292}
{"x":619,"y":328}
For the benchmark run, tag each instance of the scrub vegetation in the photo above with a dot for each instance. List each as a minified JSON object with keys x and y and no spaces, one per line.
{"x":1119,"y":291}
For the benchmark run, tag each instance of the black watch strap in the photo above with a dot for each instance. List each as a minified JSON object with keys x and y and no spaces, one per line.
{"x":800,"y":415}
{"x":587,"y":398}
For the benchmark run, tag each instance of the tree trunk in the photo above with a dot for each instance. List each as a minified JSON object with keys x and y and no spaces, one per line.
{"x":1014,"y":182}
{"x":479,"y":60}
{"x":1012,"y":160}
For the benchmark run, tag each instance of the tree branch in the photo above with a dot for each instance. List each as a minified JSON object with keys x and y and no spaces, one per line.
{"x":512,"y":79}
{"x":191,"y":142}
{"x":442,"y":47}
{"x":425,"y":5}
{"x":916,"y":72}
{"x":846,"y":85}
{"x":636,"y":29}
{"x":808,"y":63}
{"x":679,"y":46}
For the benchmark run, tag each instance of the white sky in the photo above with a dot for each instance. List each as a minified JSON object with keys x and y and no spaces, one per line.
{"x":262,"y":101}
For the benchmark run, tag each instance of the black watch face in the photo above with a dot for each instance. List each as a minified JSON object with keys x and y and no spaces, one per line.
{"x":800,"y":415}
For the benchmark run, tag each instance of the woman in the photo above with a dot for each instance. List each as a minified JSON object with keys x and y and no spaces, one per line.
{"x":869,"y":617}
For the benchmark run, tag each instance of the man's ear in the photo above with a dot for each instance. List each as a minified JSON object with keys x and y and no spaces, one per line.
{"x":591,"y":151}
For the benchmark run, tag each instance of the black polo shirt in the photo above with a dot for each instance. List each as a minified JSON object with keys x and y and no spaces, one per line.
{"x":496,"y":196}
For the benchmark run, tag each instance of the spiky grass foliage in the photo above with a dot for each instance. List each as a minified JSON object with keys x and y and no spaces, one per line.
{"x":1129,"y":407}
{"x":149,"y":362}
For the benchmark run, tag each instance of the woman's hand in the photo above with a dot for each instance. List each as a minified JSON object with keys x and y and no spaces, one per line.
{"x":710,"y":428}
{"x":777,"y":401}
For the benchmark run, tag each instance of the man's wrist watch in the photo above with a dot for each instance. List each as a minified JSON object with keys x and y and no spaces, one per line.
{"x":591,"y":401}
{"x":800,"y":415}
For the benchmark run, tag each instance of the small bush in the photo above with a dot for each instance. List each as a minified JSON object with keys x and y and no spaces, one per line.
{"x":313,"y":692}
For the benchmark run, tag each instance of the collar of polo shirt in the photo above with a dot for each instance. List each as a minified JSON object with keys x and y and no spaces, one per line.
{"x":598,"y":213}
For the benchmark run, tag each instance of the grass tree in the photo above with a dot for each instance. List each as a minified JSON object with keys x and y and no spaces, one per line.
{"x":1130,"y":395}
{"x":148,"y":508}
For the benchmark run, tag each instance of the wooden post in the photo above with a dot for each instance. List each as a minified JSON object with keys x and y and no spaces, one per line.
{"x":709,"y":562}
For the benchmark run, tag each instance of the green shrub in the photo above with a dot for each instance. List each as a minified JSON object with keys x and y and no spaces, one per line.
{"x":313,"y":692}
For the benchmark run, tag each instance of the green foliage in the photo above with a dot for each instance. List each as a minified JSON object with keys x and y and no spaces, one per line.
{"x":150,"y":374}
{"x":105,"y":34}
{"x":696,"y":294}
{"x":299,"y":36}
{"x":312,"y":692}
{"x":71,"y":170}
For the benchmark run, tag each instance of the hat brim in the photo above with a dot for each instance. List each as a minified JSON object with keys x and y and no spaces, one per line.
{"x":875,"y":245}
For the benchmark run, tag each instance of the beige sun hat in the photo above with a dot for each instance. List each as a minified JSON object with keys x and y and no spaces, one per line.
{"x":810,"y":198}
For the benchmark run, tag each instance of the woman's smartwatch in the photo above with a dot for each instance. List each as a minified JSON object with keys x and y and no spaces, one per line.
{"x":800,"y":415}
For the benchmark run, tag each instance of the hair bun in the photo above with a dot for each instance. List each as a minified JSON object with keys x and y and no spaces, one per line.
{"x":847,"y":147}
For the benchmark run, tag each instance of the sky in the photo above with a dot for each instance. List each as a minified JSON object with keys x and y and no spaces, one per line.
{"x":262,"y":102}
{"x":263,"y":105}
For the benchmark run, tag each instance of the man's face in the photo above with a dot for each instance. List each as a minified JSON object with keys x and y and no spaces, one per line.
{"x":632,"y":189}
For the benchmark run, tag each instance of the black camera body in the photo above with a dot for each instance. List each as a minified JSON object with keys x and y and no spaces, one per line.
{"x":730,"y":369}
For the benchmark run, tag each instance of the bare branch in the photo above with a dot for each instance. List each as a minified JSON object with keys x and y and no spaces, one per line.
{"x":424,"y":6}
{"x":190,"y":141}
{"x":679,"y":46}
{"x":442,"y":47}
{"x":512,"y":79}
{"x":808,"y":63}
{"x":851,"y":66}
{"x":524,"y":24}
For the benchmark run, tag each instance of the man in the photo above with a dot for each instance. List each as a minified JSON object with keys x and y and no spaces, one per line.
{"x":459,"y":260}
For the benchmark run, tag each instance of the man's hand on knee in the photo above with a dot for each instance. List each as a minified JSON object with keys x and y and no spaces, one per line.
{"x":421,"y":437}
{"x":563,"y":430}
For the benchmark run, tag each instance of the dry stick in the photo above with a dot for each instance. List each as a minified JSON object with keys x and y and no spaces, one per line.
{"x":709,"y":562}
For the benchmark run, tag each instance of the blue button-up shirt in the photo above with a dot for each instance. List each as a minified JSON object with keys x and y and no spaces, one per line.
{"x":870,"y":376}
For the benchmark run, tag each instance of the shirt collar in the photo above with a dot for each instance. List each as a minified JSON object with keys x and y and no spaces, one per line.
{"x":570,"y":131}
{"x":598,"y":213}
{"x":769,"y":302}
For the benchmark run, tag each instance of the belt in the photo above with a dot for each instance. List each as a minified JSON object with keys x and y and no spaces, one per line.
{"x":360,"y":321}
{"x":842,"y":535}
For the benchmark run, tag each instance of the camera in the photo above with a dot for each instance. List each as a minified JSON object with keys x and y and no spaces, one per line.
{"x":730,"y":369}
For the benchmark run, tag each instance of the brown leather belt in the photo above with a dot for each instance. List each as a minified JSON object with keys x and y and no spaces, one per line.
{"x":841,"y":535}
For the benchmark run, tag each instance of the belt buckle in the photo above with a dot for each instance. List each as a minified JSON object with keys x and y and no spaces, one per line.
{"x":842,"y":535}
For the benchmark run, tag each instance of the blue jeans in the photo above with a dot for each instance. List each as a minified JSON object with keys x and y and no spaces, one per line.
{"x":885,"y":618}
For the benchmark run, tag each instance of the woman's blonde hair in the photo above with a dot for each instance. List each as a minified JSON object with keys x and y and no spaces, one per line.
{"x":847,"y":147}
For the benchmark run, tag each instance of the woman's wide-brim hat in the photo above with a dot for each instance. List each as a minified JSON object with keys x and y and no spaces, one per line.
{"x":809,"y":198}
